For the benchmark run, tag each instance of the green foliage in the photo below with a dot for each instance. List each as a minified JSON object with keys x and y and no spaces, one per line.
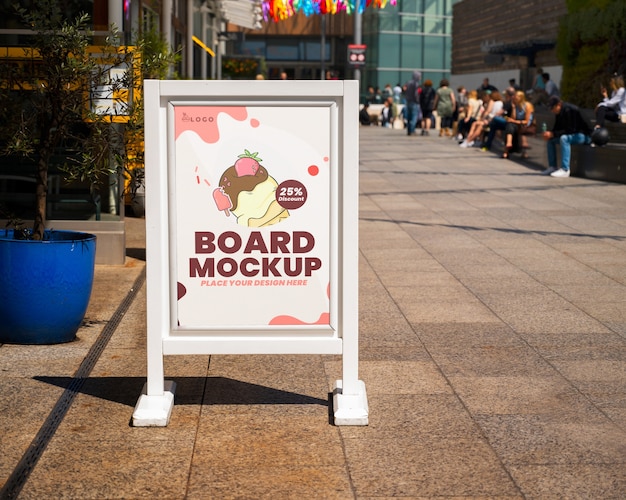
{"x":156,"y":55}
{"x":46,"y":100}
{"x":155,"y":60}
{"x":243,"y":68}
{"x":585,"y":77}
{"x":62,"y":97}
{"x":591,"y":47}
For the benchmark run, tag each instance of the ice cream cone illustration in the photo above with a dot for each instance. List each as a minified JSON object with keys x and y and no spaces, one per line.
{"x":249,"y":192}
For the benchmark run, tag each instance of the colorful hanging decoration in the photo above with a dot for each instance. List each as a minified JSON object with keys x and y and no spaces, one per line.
{"x":279,"y":10}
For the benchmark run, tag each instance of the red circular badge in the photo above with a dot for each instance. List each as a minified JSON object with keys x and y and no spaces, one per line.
{"x":291,"y":194}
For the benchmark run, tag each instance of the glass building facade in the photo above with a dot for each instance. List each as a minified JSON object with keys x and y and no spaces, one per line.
{"x":411,"y":35}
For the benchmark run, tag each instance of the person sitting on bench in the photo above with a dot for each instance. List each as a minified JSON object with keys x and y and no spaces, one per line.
{"x":614,"y":107}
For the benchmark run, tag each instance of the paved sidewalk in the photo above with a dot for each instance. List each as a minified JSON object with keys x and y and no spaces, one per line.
{"x":493,"y":349}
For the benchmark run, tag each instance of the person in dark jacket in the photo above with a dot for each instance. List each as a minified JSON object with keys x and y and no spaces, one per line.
{"x":569,"y":128}
{"x":427,"y":104}
{"x":364,"y":115}
{"x":412,"y":105}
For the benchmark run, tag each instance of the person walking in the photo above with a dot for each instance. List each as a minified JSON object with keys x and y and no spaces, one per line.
{"x":445,"y":104}
{"x":427,"y":103}
{"x":412,"y":99}
{"x":569,"y":128}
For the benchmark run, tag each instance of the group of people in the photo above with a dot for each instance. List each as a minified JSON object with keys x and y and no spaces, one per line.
{"x":512,"y":115}
{"x":377,"y":96}
{"x":514,"y":118}
{"x":570,"y":127}
{"x":388,"y":113}
{"x":476,"y":117}
{"x":422,"y":100}
{"x":543,"y":88}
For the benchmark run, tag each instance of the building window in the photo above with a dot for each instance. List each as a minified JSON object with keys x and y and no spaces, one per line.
{"x":411,"y":23}
{"x":412,"y":49}
{"x":434,"y":53}
{"x":253,"y":48}
{"x":312,"y":51}
{"x":287,"y":50}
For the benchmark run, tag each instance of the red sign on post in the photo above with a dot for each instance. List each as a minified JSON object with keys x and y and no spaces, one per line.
{"x":356,"y":55}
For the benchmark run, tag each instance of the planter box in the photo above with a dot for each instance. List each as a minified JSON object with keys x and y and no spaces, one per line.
{"x":45,"y":286}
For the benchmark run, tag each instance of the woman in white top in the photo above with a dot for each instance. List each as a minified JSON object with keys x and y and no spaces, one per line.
{"x":492,"y":105}
{"x":612,"y":108}
{"x":469,"y":115}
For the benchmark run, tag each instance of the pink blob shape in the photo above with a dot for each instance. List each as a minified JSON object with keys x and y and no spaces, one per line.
{"x":326,"y":158}
{"x":324,"y":319}
{"x":203,"y":120}
{"x":254,"y":123}
{"x":314,"y":170}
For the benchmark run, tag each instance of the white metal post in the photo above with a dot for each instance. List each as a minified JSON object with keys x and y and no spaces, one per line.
{"x":155,"y":404}
{"x":350,"y":398}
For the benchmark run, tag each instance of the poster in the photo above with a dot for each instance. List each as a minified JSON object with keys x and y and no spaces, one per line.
{"x":252,"y":189}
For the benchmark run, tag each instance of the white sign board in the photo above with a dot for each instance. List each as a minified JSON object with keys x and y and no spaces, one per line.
{"x":252,"y":227}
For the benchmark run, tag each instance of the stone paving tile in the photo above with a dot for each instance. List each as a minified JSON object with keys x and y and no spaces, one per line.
{"x":438,"y":336}
{"x":14,"y":443}
{"x":568,"y":350}
{"x":513,"y":395}
{"x":416,"y":416}
{"x":110,"y":469}
{"x":52,"y":360}
{"x":426,"y":467}
{"x":261,"y":455}
{"x":490,"y":361}
{"x":246,"y":441}
{"x":396,"y":377}
{"x":289,"y":482}
{"x":570,"y":481}
{"x":401,"y":351}
{"x":555,"y":439}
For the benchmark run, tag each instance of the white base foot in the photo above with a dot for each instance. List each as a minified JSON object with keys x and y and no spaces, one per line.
{"x":154,"y":411}
{"x":350,"y":409}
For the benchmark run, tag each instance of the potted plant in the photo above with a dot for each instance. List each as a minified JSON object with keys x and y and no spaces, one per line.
{"x":46,"y":112}
{"x":155,"y":60}
{"x":137,"y":190}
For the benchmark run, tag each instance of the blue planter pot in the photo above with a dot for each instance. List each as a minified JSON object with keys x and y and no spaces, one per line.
{"x":45,"y":286}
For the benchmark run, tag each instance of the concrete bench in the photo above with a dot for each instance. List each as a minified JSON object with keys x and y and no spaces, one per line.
{"x":605,"y":163}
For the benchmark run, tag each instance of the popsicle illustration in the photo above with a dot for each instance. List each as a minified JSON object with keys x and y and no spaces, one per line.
{"x":222,"y":200}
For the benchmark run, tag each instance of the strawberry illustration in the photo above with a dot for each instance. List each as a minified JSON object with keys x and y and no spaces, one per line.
{"x":247,"y":164}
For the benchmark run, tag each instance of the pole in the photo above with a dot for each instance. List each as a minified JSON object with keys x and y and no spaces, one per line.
{"x":218,"y":51}
{"x":358,"y":37}
{"x":189,"y":40}
{"x":323,"y":47}
{"x":203,"y":59}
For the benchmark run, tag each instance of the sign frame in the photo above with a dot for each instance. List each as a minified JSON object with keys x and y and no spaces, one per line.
{"x":164,"y":335}
{"x":357,"y":55}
